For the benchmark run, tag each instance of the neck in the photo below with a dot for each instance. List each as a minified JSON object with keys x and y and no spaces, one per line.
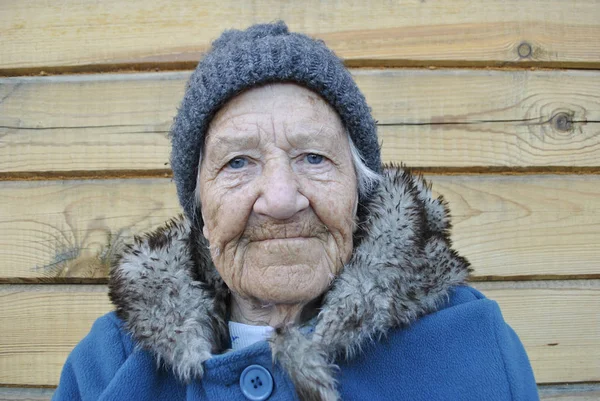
{"x":275,"y":315}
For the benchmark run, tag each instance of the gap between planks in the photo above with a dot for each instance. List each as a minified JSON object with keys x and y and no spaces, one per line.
{"x":167,"y":173}
{"x":127,"y":68}
{"x":176,"y":73}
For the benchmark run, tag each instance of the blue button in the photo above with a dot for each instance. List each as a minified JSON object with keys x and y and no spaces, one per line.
{"x":256,"y":383}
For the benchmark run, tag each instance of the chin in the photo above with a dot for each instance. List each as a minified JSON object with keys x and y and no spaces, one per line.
{"x":289,"y":285}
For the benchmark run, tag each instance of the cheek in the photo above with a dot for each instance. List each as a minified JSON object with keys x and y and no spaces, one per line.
{"x":225,"y":212}
{"x":335,"y":205}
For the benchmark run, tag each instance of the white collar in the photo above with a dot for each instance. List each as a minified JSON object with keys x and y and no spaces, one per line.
{"x":242,"y":335}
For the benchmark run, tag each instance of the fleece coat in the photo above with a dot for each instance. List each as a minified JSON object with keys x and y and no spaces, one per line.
{"x":398,"y":323}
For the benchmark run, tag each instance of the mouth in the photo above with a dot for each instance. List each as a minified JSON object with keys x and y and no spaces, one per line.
{"x":282,"y":240}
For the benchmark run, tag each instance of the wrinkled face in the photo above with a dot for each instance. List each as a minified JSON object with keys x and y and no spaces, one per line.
{"x":279,"y":194}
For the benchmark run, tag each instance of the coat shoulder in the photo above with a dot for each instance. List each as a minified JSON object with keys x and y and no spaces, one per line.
{"x":94,"y":362}
{"x":462,"y":294}
{"x":107,"y":364}
{"x":464,"y":351}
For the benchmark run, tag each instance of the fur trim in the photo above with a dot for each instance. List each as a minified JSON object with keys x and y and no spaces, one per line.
{"x":166,"y":289}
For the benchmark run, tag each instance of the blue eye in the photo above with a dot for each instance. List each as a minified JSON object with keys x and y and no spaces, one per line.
{"x":313,"y":158}
{"x":238,"y":162}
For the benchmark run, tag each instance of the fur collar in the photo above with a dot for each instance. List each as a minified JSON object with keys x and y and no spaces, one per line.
{"x":173,"y":302}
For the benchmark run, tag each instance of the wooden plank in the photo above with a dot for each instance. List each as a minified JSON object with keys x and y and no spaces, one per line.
{"x":88,"y":122}
{"x":570,"y":392}
{"x":25,"y":394}
{"x":519,"y":227}
{"x":525,"y":226}
{"x":73,"y":228}
{"x":40,"y":325}
{"x":587,"y":396}
{"x":463,"y":32}
{"x":428,"y":118}
{"x":57,"y":317}
{"x":547,"y":329}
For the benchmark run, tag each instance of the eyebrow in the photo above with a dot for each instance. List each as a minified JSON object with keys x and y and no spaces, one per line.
{"x":230,"y":140}
{"x":238,"y":139}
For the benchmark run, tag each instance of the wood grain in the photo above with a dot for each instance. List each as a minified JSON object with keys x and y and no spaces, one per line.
{"x":88,"y":122}
{"x":557,"y":326}
{"x":40,"y":325}
{"x":525,"y":225}
{"x":519,"y":227}
{"x":427,"y":118}
{"x":74,"y":228}
{"x":463,"y":32}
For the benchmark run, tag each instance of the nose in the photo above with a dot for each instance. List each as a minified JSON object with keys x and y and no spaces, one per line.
{"x":279,"y":197}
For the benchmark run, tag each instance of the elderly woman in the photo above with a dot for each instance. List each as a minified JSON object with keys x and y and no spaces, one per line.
{"x":302,"y":269}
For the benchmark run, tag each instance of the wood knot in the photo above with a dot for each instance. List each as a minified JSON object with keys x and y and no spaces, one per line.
{"x":562,"y":122}
{"x":524,"y":50}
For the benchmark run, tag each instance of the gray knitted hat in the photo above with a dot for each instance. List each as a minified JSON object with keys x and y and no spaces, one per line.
{"x":262,"y":54}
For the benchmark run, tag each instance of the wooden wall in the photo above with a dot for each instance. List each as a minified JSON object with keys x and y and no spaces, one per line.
{"x":496,"y":101}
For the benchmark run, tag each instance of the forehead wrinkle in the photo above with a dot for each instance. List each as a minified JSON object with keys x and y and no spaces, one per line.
{"x":230,"y":130}
{"x":310,"y":133}
{"x":321,"y":115}
{"x":236,"y":138}
{"x":226,"y":118}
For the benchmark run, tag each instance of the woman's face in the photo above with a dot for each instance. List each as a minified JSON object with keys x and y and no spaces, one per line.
{"x":279,"y":194}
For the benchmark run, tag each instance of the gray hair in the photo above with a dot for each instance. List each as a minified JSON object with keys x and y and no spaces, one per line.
{"x":366,"y":178}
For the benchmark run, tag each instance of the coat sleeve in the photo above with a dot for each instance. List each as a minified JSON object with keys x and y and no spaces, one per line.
{"x":93,"y":363}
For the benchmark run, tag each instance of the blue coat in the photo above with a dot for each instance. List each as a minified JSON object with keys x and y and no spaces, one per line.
{"x":398,"y":321}
{"x":464,"y":351}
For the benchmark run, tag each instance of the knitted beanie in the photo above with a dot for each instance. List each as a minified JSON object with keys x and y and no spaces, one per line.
{"x":263,"y":53}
